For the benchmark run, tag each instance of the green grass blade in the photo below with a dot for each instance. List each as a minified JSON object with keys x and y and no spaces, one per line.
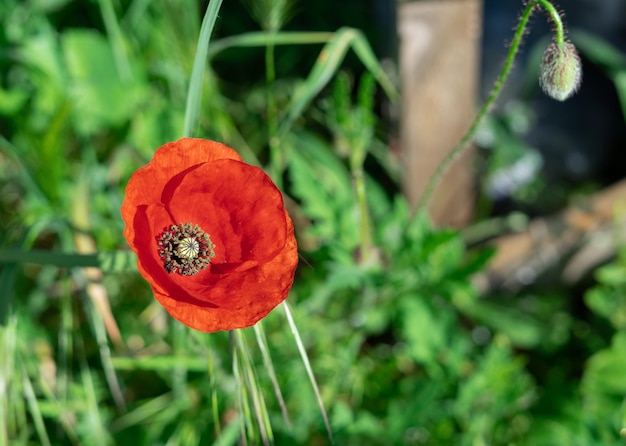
{"x":144,"y":413}
{"x":213,"y":387}
{"x":97,"y":325}
{"x":54,"y":406}
{"x":309,"y":370}
{"x":33,"y":407}
{"x":7,"y":285}
{"x":8,"y":346}
{"x":269,"y":367}
{"x":230,"y":433}
{"x":194,"y":94}
{"x":117,"y":261}
{"x":41,"y":257}
{"x":179,"y":371}
{"x":26,"y":173}
{"x":252,"y":389}
{"x":116,"y":38}
{"x":161,"y":363}
{"x":242,"y":396}
{"x":327,"y":64}
{"x":261,"y":39}
{"x":109,"y":262}
{"x":92,"y":413}
{"x":364,"y":52}
{"x":185,"y":433}
{"x":65,"y":347}
{"x":325,"y":67}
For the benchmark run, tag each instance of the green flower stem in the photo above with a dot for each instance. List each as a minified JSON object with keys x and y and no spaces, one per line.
{"x":276,"y":164}
{"x":493,"y":95}
{"x":179,"y":372}
{"x":365,"y":232}
{"x":194,"y":93}
{"x":213,"y":387}
{"x":556,"y":18}
{"x":115,"y":34}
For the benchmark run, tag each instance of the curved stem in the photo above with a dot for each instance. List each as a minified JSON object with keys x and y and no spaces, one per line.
{"x":493,"y":95}
{"x":556,"y":18}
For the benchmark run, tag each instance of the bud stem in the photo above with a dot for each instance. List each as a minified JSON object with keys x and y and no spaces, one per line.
{"x":556,"y":18}
{"x":493,"y":94}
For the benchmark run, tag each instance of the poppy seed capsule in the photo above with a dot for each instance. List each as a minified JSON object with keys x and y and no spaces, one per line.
{"x":185,"y":249}
{"x":560,"y":71}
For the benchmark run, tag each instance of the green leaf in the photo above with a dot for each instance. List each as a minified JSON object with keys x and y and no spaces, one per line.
{"x":432,"y":335}
{"x":497,"y":391}
{"x":605,"y":371}
{"x":322,"y":183}
{"x":604,"y":386}
{"x":539,"y":323}
{"x":100,"y":98}
{"x":42,"y":56}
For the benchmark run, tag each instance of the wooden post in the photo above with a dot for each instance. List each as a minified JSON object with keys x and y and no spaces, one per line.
{"x":439,"y":42}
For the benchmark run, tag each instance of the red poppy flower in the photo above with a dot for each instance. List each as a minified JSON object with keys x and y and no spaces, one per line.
{"x":211,"y":235}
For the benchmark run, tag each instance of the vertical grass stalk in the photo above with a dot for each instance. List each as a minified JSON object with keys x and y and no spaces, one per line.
{"x":116,"y":38}
{"x":33,"y":407}
{"x":269,"y":366}
{"x":365,"y":228}
{"x":309,"y":370}
{"x":252,"y":389}
{"x":194,"y":94}
{"x":276,"y":159}
{"x":8,"y":346}
{"x":213,"y":386}
{"x":179,"y":372}
{"x":242,"y":396}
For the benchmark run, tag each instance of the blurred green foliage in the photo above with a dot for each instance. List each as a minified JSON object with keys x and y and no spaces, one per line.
{"x":404,"y":349}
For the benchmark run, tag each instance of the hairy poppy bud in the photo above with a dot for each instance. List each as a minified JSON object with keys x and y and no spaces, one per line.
{"x":560,"y":71}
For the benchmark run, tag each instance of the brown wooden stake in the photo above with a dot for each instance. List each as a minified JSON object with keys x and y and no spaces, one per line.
{"x":439,"y":42}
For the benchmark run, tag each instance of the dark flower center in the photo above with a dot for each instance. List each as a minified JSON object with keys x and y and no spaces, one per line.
{"x":185,"y":249}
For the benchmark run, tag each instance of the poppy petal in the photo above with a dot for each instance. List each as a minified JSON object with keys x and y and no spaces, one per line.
{"x":168,"y":161}
{"x":204,"y":183}
{"x":223,"y":198}
{"x":252,"y":295}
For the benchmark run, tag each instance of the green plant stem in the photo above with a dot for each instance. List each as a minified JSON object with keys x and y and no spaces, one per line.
{"x":213,"y":389}
{"x":269,"y":366}
{"x":556,"y":18}
{"x":493,"y":96}
{"x":309,"y":370}
{"x":272,"y":115}
{"x":117,"y":41}
{"x":365,"y":234}
{"x":194,"y":93}
{"x":179,"y":372}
